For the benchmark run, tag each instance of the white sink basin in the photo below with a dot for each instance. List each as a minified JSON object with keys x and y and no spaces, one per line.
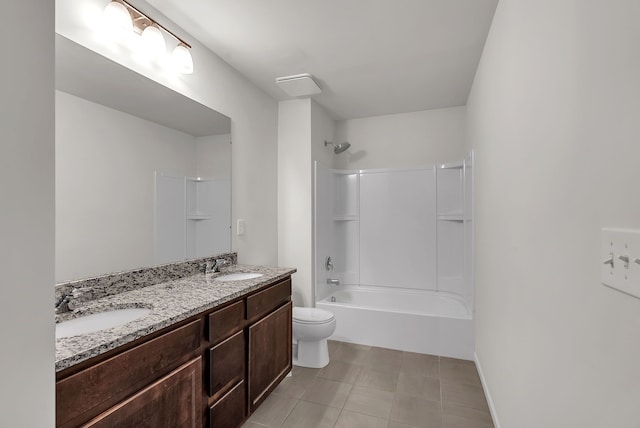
{"x":99,"y":321}
{"x":238,"y":276}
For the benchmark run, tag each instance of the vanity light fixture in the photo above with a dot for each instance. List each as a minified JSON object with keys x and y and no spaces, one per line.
{"x":120,"y":16}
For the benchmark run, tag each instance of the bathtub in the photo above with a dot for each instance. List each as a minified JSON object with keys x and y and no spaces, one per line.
{"x":428,"y":322}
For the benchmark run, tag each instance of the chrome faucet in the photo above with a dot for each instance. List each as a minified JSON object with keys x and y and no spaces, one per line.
{"x":65,"y":304}
{"x":214,"y":266}
{"x":219,"y":264}
{"x":208,"y":267}
{"x":62,"y":305}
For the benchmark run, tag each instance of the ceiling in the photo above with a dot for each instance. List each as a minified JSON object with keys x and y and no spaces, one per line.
{"x":371,"y":57}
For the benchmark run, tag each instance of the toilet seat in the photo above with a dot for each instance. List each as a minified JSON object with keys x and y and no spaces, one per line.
{"x":312,"y":316}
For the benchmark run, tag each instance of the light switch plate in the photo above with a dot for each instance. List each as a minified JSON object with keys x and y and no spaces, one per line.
{"x":620,"y":267}
{"x":240,"y":227}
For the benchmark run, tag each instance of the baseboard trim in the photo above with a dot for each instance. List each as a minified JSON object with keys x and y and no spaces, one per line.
{"x":487,"y":394}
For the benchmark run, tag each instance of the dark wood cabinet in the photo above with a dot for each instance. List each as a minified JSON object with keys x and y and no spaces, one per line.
{"x":269,"y":353}
{"x":226,"y":362}
{"x":229,"y":411}
{"x":95,"y":389}
{"x":174,"y":401}
{"x":211,"y":370}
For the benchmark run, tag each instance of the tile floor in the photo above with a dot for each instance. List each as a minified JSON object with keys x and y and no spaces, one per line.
{"x":371,"y":387}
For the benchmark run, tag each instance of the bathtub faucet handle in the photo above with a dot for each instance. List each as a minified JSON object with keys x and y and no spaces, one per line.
{"x":333,"y":281}
{"x":328,"y":264}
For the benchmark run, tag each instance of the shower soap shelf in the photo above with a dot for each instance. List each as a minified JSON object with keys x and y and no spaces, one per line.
{"x":345,"y":217}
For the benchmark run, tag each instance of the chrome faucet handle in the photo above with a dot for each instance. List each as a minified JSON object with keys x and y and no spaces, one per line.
{"x":328,"y":264}
{"x":207,"y":267}
{"x":219,"y":264}
{"x":62,"y":305}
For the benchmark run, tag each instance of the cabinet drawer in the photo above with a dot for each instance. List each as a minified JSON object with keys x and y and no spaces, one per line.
{"x":229,"y":411}
{"x":226,"y":364}
{"x":224,"y":322}
{"x":92,"y":391}
{"x":173,"y":401}
{"x":264,"y":301}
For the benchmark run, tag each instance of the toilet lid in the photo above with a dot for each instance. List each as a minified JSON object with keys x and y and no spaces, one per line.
{"x":312,"y":315}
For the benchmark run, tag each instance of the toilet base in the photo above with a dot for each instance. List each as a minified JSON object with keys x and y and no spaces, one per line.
{"x":313,"y":354}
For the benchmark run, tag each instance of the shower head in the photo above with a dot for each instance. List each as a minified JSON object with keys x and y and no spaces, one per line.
{"x":338,"y":148}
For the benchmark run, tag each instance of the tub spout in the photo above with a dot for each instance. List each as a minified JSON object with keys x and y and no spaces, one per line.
{"x":333,"y":281}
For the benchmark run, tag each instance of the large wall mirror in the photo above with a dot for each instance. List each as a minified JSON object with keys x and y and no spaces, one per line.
{"x":143,"y":173}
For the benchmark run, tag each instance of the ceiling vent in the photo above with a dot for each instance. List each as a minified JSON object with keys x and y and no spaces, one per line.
{"x":300,"y":85}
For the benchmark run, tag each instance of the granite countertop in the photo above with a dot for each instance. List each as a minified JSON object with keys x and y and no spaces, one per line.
{"x":170,"y":302}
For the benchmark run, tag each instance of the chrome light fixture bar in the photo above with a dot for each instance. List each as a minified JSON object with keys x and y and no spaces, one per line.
{"x":123,"y":16}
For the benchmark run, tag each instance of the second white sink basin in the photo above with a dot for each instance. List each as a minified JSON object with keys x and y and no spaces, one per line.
{"x":99,"y":321}
{"x":238,"y":276}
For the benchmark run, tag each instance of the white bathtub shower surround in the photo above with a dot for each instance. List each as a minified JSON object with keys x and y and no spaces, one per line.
{"x":428,"y":322}
{"x":401,"y":245}
{"x":398,"y":228}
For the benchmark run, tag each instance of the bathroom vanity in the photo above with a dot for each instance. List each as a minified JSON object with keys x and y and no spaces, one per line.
{"x":207,"y":355}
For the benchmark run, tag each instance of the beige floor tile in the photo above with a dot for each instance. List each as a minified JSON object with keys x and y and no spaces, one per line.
{"x":304,"y":371}
{"x":415,"y":411}
{"x":419,"y":386}
{"x":273,"y":411}
{"x":452,"y":421}
{"x":296,"y":385}
{"x":328,"y":393}
{"x":394,"y":424}
{"x":334,"y":346}
{"x":373,"y":402}
{"x":384,"y":359}
{"x":250,"y":424}
{"x":349,"y":419}
{"x":459,"y":372}
{"x":352,"y":353}
{"x":384,"y":380}
{"x":464,"y":395}
{"x":454,"y":416}
{"x":446,"y":361}
{"x":423,"y":364}
{"x":311,"y":415}
{"x":340,"y":371}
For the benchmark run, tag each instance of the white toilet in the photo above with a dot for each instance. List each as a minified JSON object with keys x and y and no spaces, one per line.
{"x":311,"y":329}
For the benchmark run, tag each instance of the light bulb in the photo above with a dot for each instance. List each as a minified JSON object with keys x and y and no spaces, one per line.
{"x":181,"y":58}
{"x":117,"y":19}
{"x":153,"y":42}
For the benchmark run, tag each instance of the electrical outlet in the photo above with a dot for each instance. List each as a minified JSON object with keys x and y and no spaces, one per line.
{"x":620,"y":267}
{"x":240,"y":226}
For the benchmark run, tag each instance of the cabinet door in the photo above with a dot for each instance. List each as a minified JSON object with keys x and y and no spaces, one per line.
{"x":174,"y":401}
{"x":269,"y":353}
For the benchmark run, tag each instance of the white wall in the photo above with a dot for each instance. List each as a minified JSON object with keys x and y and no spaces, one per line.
{"x":105,"y":164}
{"x":303,"y":125}
{"x":294,"y":195}
{"x":553,"y":116}
{"x":403,"y":140}
{"x":215,"y":84}
{"x":322,"y":129}
{"x":27,"y":226}
{"x":213,"y":154}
